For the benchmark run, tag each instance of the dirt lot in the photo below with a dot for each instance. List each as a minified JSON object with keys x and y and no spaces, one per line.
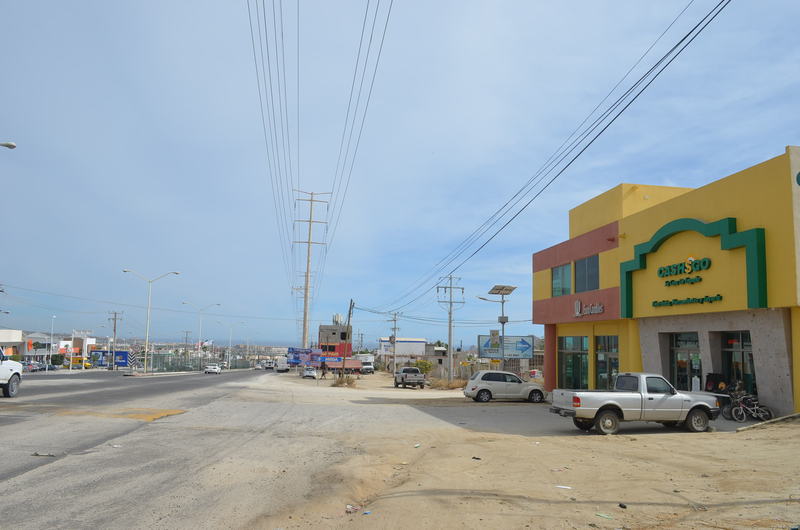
{"x":458,"y":478}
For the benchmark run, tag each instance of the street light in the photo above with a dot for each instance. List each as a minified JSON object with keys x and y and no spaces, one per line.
{"x":503,"y":291}
{"x":52,"y":323}
{"x":149,"y":298}
{"x":200,"y":319}
{"x":8,"y":145}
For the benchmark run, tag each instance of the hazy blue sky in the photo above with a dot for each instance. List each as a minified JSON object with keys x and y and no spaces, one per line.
{"x":140,"y":146}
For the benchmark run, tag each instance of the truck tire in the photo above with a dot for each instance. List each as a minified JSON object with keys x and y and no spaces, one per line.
{"x":404,"y":384}
{"x":396,"y":384}
{"x":421,"y":386}
{"x":583,"y":424}
{"x":697,"y":420}
{"x":536,"y":396}
{"x":11,"y":388}
{"x":484,"y":396}
{"x":607,"y":422}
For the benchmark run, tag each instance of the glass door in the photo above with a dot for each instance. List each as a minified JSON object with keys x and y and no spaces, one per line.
{"x":685,"y":360}
{"x":573,"y":362}
{"x":737,"y":361}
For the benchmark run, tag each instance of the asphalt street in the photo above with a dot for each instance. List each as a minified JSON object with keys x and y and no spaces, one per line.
{"x":195,"y":450}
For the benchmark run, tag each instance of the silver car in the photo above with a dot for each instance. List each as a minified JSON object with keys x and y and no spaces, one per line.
{"x":486,"y":385}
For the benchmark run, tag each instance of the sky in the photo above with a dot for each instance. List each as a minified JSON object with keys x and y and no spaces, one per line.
{"x":141,"y":146}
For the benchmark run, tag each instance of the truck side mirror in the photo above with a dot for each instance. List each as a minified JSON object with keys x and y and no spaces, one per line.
{"x":672,"y":390}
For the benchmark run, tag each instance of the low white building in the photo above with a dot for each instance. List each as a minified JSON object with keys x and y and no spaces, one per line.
{"x":405,"y":350}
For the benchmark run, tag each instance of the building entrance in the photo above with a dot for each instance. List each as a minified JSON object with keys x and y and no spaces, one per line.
{"x":737,"y":361}
{"x":573,"y":362}
{"x":685,"y":360}
{"x":606,"y":361}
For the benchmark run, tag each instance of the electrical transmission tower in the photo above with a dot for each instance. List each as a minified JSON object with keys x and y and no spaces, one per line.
{"x":311,"y":200}
{"x":448,"y":289}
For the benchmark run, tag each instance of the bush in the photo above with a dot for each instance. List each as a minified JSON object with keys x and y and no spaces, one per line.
{"x":424,"y":366}
{"x":347,"y":380}
{"x":57,"y":359}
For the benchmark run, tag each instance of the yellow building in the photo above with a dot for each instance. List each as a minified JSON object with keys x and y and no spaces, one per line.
{"x":700,"y":285}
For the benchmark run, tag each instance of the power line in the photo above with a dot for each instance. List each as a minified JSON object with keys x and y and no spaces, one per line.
{"x":575,"y":145}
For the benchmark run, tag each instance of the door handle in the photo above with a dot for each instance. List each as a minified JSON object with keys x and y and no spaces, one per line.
{"x":650,"y":399}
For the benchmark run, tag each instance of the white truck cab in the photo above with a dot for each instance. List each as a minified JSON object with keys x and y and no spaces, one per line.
{"x":10,"y":375}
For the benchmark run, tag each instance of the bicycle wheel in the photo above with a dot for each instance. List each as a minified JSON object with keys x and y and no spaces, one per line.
{"x":738,"y":414}
{"x":764,"y":413}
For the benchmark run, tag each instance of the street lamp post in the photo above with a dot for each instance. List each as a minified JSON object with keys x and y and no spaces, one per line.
{"x":149,"y":300}
{"x":50,"y":349}
{"x":503,"y":291}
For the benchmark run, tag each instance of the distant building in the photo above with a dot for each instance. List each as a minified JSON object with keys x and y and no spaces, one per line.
{"x":336,"y":339}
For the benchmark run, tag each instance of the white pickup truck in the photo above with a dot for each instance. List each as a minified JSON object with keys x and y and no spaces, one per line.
{"x":10,"y":375}
{"x":636,"y":397}
{"x":409,"y":376}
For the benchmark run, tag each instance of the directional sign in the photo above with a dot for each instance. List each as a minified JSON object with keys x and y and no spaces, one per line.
{"x":330,"y":359}
{"x":516,"y":347}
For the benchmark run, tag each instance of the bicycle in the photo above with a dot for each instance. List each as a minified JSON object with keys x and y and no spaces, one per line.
{"x":748,"y":404}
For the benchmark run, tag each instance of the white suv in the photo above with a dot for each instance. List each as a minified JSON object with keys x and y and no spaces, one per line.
{"x":10,"y":375}
{"x":486,"y":385}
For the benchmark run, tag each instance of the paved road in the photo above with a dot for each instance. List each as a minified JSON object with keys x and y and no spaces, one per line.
{"x":210,"y":451}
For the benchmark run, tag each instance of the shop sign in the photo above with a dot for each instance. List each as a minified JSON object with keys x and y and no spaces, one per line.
{"x":589,"y":309}
{"x":686,"y":267}
{"x":752,"y":241}
{"x":689,"y":300}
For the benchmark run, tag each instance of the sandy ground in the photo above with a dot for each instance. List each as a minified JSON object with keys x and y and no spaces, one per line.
{"x":461,"y":479}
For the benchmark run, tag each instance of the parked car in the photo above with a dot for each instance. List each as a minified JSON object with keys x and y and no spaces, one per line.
{"x":309,"y":371}
{"x":636,"y":397}
{"x":10,"y":375}
{"x":409,"y":376}
{"x":486,"y":385}
{"x":212,"y":369}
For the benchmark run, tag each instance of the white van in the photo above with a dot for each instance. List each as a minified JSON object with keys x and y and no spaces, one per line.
{"x":281,"y":364}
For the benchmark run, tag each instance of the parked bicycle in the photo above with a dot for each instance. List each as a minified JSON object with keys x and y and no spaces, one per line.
{"x":747,"y":404}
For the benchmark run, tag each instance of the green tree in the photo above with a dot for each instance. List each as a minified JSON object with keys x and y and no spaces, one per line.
{"x":424,"y":366}
{"x":57,"y":359}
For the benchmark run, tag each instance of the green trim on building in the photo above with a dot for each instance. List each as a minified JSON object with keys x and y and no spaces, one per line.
{"x":752,"y":240}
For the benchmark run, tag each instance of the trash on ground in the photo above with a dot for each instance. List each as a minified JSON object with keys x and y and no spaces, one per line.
{"x":604,"y":515}
{"x":116,"y":446}
{"x":416,"y":445}
{"x":476,"y":458}
{"x":623,"y":506}
{"x":565,"y":487}
{"x":366,"y":513}
{"x":37,"y":453}
{"x":350,"y":508}
{"x":403,"y":463}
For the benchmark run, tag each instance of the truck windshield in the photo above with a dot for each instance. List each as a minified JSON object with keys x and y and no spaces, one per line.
{"x":627,"y":383}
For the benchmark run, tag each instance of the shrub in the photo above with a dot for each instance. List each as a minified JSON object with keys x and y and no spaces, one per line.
{"x":347,"y":380}
{"x":424,"y":366}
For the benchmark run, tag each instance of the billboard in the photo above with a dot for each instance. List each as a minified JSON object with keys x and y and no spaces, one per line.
{"x":516,"y":347}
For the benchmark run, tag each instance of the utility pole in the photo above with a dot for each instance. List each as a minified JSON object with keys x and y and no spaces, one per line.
{"x":349,"y":336}
{"x":112,"y":353}
{"x":449,"y":289}
{"x":311,"y":200}
{"x":393,"y":340}
{"x":186,"y":334}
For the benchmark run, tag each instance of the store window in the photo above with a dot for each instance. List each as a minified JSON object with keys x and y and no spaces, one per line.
{"x":573,"y":362}
{"x":685,"y":361}
{"x":587,"y":277}
{"x":737,"y":361}
{"x":606,"y":360}
{"x":562,"y":277}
